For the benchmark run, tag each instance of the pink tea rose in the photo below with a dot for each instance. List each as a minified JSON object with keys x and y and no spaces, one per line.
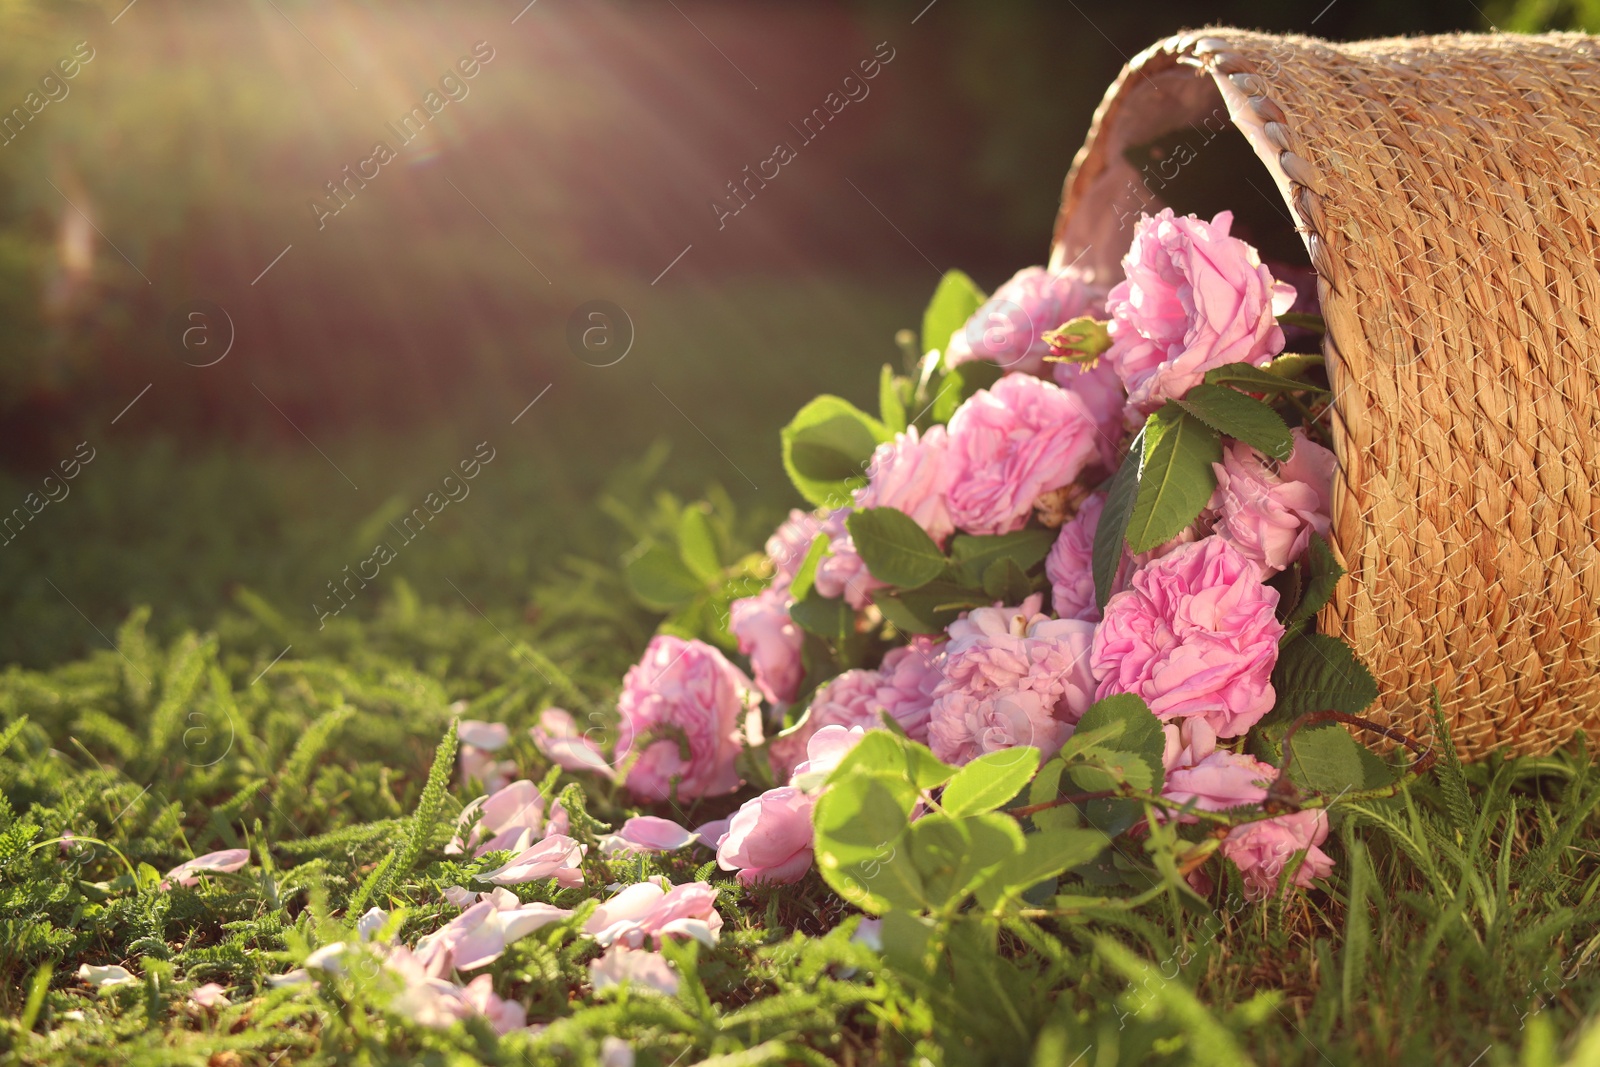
{"x":1313,"y":465}
{"x":1261,"y":850}
{"x":912,"y":474}
{"x":641,"y":968}
{"x":769,"y":838}
{"x":965,"y":726}
{"x":1220,"y":780}
{"x":1011,"y":443}
{"x":908,"y":676}
{"x":842,"y":572}
{"x":1269,"y":517}
{"x":1006,"y":330}
{"x":683,"y":693}
{"x":654,"y":910}
{"x":1001,"y":648}
{"x":1101,"y":391}
{"x":1194,"y":298}
{"x":1193,"y":634}
{"x":771,"y":639}
{"x":223,"y":862}
{"x":1070,"y":564}
{"x":847,"y":699}
{"x":788,"y":545}
{"x":1187,"y":742}
{"x":825,"y":751}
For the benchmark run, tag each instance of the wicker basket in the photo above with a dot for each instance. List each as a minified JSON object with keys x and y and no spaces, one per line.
{"x":1448,"y":192}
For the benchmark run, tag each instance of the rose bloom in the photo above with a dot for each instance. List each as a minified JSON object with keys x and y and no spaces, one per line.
{"x":1011,"y":443}
{"x":1194,"y":298}
{"x":1219,"y":781}
{"x":1101,"y":391}
{"x":769,"y":838}
{"x":771,"y":639}
{"x":1261,"y":850}
{"x":1194,"y":633}
{"x":788,"y":545}
{"x":965,"y":726}
{"x":1006,"y":330}
{"x":683,"y":689}
{"x":1070,"y":564}
{"x":902,"y":688}
{"x":912,"y":474}
{"x":1269,"y":517}
{"x":841,"y":573}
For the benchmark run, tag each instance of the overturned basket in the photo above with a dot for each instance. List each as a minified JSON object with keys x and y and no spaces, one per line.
{"x":1448,"y":192}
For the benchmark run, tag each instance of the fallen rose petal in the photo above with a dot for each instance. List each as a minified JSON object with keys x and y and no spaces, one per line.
{"x":223,"y":862}
{"x":489,"y":736}
{"x":109,"y":975}
{"x":372,"y":923}
{"x":615,"y":1052}
{"x":647,"y":833}
{"x":327,"y":959}
{"x":556,"y":857}
{"x":711,"y":834}
{"x":460,"y":896}
{"x":210,"y":995}
{"x":641,"y":968}
{"x":559,"y":738}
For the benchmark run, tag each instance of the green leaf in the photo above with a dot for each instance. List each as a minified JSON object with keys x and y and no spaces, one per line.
{"x":891,"y":409}
{"x":1005,"y":582}
{"x":929,"y":609}
{"x":659,"y":578}
{"x":1303,"y":319}
{"x":806,"y":575}
{"x":1241,"y":417}
{"x":826,"y":447}
{"x":1257,"y":380}
{"x":697,"y":544}
{"x":1175,"y":477}
{"x":1046,"y":786}
{"x":860,"y":822}
{"x":953,"y":303}
{"x":830,"y":618}
{"x":973,"y":554}
{"x":1133,"y":754}
{"x":989,"y":781}
{"x":953,"y":856}
{"x":895,"y":549}
{"x":1326,"y":759}
{"x":1317,"y":672}
{"x":1294,"y":364}
{"x":1325,"y":575}
{"x":960,"y":383}
{"x":1110,"y":534}
{"x":1045,"y":854}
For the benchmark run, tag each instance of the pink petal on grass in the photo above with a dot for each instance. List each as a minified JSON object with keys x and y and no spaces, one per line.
{"x":647,"y":833}
{"x":229,"y":859}
{"x":489,"y":736}
{"x":558,"y":737}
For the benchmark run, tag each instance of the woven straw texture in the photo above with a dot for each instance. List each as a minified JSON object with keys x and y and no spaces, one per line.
{"x":1448,"y":192}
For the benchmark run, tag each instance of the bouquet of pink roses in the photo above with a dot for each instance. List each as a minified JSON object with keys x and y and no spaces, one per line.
{"x":1057,"y":596}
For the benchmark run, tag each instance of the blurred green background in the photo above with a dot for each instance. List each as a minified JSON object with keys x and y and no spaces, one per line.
{"x":384,"y":343}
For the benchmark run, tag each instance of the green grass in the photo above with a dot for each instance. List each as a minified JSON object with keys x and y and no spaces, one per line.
{"x":1461,"y":920}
